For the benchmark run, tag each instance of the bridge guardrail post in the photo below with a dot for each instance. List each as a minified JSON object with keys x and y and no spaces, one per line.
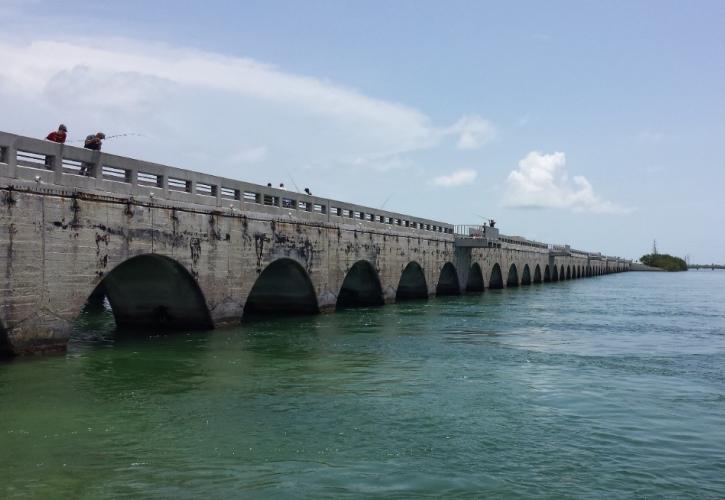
{"x":57,"y":166}
{"x":12,"y":152}
{"x":96,"y":166}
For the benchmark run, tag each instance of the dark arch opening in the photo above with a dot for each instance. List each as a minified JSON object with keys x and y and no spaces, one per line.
{"x":561,"y":273}
{"x":412,"y":283}
{"x":5,"y":347}
{"x":555,"y":274}
{"x":152,"y":291}
{"x":361,"y":287}
{"x":568,"y":272}
{"x":475,"y":279}
{"x":537,"y":274}
{"x":578,"y":272}
{"x":448,"y":281}
{"x":283,"y":288}
{"x":513,"y":277}
{"x":526,"y":275}
{"x":496,"y":281}
{"x":547,"y":274}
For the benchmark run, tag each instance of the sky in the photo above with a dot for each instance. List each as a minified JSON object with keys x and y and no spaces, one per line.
{"x":595,"y":124}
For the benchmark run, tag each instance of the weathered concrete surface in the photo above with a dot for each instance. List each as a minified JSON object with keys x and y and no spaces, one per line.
{"x":197,"y":251}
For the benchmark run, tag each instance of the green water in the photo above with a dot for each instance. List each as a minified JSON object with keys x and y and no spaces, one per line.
{"x":606,"y":387}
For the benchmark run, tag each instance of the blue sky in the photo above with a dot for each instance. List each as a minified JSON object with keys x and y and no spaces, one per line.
{"x":589,"y":123}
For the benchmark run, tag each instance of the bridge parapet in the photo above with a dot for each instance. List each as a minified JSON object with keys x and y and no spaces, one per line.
{"x":28,"y":161}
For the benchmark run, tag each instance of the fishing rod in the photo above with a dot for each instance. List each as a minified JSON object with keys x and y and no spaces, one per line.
{"x":115,"y":136}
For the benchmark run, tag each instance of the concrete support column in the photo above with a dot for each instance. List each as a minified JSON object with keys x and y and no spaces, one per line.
{"x":12,"y":153}
{"x":57,"y":166}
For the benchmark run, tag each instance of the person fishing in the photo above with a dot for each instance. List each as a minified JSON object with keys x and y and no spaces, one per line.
{"x":94,"y":143}
{"x":58,"y":136}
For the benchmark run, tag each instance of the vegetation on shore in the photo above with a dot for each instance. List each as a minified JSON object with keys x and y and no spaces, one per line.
{"x":664,"y":261}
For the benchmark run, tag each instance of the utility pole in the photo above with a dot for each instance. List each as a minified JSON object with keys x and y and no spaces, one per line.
{"x":654,"y":247}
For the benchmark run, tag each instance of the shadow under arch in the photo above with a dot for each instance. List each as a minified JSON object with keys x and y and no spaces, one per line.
{"x":496,"y":281}
{"x":412,"y":283}
{"x":152,"y":291}
{"x":578,"y":272}
{"x":513,"y":277}
{"x":561,"y":273}
{"x":547,"y":274}
{"x":5,"y":347}
{"x":537,"y":274}
{"x":361,"y":287}
{"x":475,"y":279}
{"x":448,"y":281}
{"x":555,"y":274}
{"x":526,"y":275}
{"x":282,"y":288}
{"x":568,"y":272}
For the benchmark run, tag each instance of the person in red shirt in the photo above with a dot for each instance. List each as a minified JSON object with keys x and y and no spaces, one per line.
{"x":58,"y":136}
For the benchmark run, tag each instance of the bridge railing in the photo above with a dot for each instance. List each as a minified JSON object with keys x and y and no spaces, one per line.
{"x":33,"y":160}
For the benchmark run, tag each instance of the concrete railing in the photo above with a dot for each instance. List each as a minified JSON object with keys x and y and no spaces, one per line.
{"x":28,"y":159}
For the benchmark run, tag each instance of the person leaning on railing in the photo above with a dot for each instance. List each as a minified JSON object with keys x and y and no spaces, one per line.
{"x":94,"y":143}
{"x":58,"y":136}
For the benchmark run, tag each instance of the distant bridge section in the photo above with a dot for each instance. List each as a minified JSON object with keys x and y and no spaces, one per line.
{"x":175,"y":249}
{"x":712,"y":267}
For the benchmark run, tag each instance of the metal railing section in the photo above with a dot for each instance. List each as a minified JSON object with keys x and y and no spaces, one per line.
{"x":29,"y":159}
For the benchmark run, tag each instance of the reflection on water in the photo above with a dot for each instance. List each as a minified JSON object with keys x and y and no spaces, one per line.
{"x":573,"y":389}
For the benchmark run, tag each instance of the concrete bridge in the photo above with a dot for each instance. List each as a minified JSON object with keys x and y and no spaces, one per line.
{"x":172,"y":248}
{"x":711,"y":267}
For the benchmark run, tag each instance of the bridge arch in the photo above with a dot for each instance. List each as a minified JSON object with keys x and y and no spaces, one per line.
{"x":496,"y":281}
{"x":568,"y":272}
{"x":537,"y":274}
{"x":361,"y":287}
{"x":283,"y":287}
{"x":412,"y":284}
{"x":578,"y":272}
{"x":526,"y":275}
{"x":151,"y":291}
{"x":547,"y":274}
{"x":562,"y":274}
{"x":5,"y":347}
{"x":475,"y":279}
{"x":513,"y":276}
{"x":555,"y":273}
{"x":448,"y":281}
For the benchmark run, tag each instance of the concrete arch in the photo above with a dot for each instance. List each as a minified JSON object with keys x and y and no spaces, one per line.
{"x":496,"y":280}
{"x":555,"y":273}
{"x":152,"y":290}
{"x":537,"y":274}
{"x":361,"y":287}
{"x":547,"y":274}
{"x":526,"y":275}
{"x":568,"y":272}
{"x":412,"y":284}
{"x":578,"y":272}
{"x":475,"y":279}
{"x":562,"y":273}
{"x":448,"y":281}
{"x":513,"y":276}
{"x":283,"y":287}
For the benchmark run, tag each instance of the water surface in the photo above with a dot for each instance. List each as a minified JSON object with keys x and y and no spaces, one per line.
{"x":604,"y":387}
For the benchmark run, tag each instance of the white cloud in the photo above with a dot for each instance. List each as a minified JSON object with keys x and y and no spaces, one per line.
{"x":251,"y":155}
{"x":456,"y":178}
{"x":541,"y":181}
{"x":473,"y":132}
{"x":229,"y":116}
